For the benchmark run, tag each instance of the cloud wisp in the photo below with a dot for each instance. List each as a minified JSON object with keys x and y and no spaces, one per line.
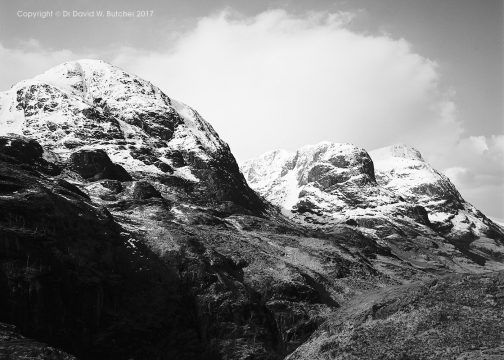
{"x":279,"y":80}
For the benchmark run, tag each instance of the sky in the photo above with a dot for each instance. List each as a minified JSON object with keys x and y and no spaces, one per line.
{"x":273,"y":74}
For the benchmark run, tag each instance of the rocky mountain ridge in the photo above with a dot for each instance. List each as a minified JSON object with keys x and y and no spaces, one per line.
{"x":388,"y":192}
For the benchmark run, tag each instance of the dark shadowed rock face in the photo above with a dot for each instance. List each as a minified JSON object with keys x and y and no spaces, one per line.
{"x":72,"y":277}
{"x":96,"y":165}
{"x":22,"y":150}
{"x":456,"y":317}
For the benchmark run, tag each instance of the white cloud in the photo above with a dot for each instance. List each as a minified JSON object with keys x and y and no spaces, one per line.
{"x":281,"y":81}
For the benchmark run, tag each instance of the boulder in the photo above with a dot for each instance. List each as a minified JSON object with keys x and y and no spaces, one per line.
{"x":419,"y":214}
{"x":113,"y":185}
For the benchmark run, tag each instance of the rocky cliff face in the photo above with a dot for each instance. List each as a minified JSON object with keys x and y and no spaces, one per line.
{"x":128,"y":231}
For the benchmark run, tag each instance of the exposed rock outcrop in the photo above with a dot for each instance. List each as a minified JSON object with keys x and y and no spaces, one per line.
{"x":22,"y":150}
{"x":143,"y":190}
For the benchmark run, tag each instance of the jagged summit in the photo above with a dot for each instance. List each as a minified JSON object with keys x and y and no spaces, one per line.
{"x":90,"y":104}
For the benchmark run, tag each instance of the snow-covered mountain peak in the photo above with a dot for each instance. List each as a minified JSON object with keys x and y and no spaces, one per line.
{"x":81,"y":94}
{"x":402,"y":169}
{"x":86,"y":90}
{"x":315,"y":178}
{"x":335,"y":155}
{"x":90,"y":104}
{"x":324,"y":164}
{"x":398,"y":156}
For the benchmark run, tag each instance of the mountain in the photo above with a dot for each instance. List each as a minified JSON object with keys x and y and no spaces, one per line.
{"x":90,"y":104}
{"x":391,"y":194}
{"x":128,"y":231}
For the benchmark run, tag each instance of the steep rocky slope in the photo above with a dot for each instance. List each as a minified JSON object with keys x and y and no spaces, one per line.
{"x":128,"y":231}
{"x":69,"y":275}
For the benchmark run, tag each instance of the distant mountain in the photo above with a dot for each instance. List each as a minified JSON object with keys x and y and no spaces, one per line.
{"x":128,"y":231}
{"x":391,"y":194}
